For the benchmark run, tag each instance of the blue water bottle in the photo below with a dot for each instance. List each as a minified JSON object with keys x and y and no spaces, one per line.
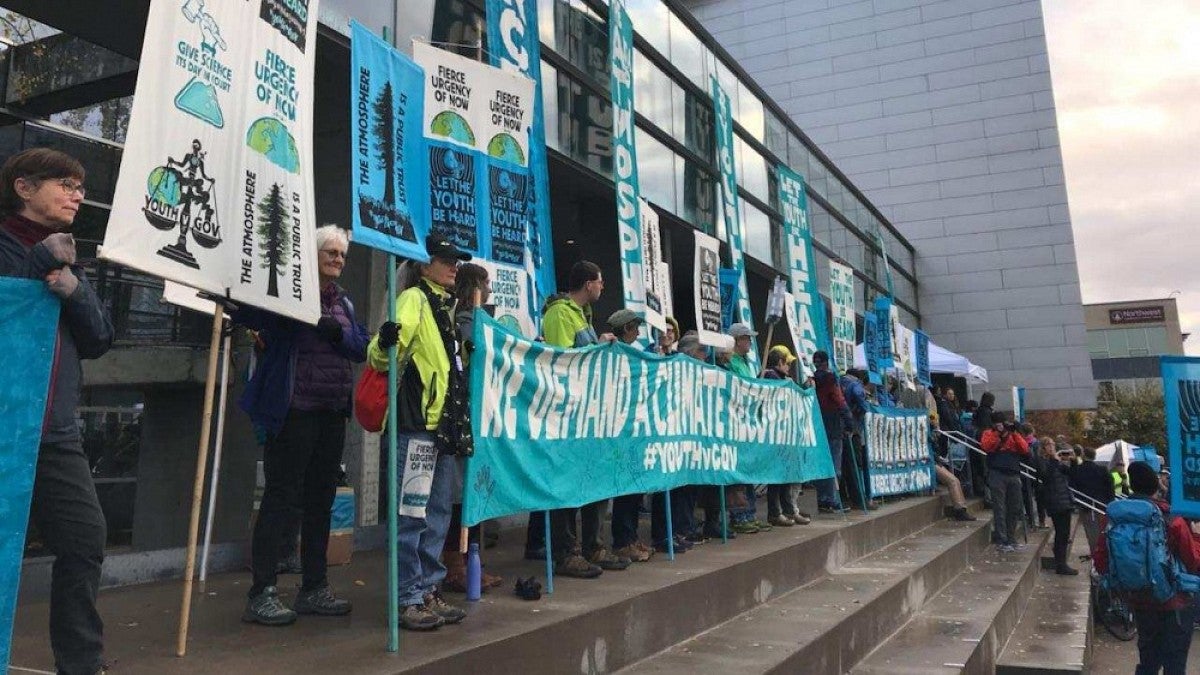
{"x":474,"y":573}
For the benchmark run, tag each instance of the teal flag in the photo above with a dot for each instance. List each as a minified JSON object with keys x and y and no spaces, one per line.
{"x":559,"y":428}
{"x":899,"y":458}
{"x":1181,"y":394}
{"x":625,"y":166}
{"x":883,"y":324}
{"x":723,"y":128}
{"x":793,"y":202}
{"x":924,"y":376}
{"x":29,"y":314}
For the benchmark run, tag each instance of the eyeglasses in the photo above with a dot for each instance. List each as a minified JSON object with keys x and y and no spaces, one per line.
{"x":72,"y":187}
{"x":449,"y":262}
{"x":334,"y":253}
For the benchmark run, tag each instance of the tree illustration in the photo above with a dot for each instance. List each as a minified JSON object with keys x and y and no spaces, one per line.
{"x":274,"y":237}
{"x":385,"y":134}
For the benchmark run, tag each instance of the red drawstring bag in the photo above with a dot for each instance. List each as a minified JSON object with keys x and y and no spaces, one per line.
{"x":371,"y":399}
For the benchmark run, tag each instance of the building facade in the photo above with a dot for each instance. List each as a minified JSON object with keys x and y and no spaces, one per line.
{"x":143,"y":399}
{"x":942,"y":112}
{"x":1126,"y":339}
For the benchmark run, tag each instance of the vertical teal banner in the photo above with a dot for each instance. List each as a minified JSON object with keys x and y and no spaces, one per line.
{"x":723,"y":127}
{"x":883,"y":324}
{"x":29,"y":314}
{"x":387,"y":100}
{"x":512,"y":27}
{"x":1181,"y":394}
{"x":625,"y":173}
{"x":871,"y":347}
{"x":922,"y":342}
{"x":793,"y":202}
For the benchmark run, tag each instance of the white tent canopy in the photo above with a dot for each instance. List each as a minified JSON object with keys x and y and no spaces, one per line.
{"x":941,"y":360}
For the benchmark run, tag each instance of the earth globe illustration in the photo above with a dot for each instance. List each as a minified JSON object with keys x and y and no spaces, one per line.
{"x":267,"y":136}
{"x":504,"y":146}
{"x":163,"y":186}
{"x":450,"y":124}
{"x":510,"y":323}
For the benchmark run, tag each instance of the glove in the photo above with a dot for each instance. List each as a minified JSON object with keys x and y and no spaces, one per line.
{"x":61,"y":245}
{"x":389,"y":334}
{"x":62,"y":282}
{"x":329,"y":329}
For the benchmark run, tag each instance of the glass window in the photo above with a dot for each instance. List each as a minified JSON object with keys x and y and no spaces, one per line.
{"x":584,"y":126}
{"x":687,"y":53}
{"x":751,"y":169}
{"x":1156,"y":338}
{"x":656,"y":170}
{"x":777,"y":137}
{"x":1098,"y":344}
{"x":550,"y":105}
{"x":756,"y":228}
{"x":459,"y":27}
{"x":798,"y":155}
{"x":820,"y":223}
{"x":749,"y":112}
{"x":101,"y":160}
{"x":651,"y":21}
{"x":108,"y":120}
{"x":698,"y":197}
{"x":822,"y":263}
{"x":1118,"y":343}
{"x":581,"y":37}
{"x":653,"y":93}
{"x":905,"y":290}
{"x":729,"y":84}
{"x":698,"y":134}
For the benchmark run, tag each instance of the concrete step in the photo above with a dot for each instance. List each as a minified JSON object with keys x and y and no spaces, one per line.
{"x":829,"y":624}
{"x":962,"y":629}
{"x":1054,"y":635}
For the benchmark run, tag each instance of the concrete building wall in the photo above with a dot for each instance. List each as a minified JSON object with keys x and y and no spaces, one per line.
{"x":942,"y":112}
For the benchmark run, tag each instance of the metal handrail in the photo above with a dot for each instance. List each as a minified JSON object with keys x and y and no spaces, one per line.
{"x":1087,"y":502}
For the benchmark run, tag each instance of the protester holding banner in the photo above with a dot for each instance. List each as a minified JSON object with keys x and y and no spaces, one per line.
{"x":300,"y":397}
{"x":40,"y":193}
{"x":781,"y":510}
{"x":626,"y":327}
{"x":836,"y":416}
{"x":856,"y":459}
{"x":683,"y":499}
{"x":1005,"y":447}
{"x":568,"y":323}
{"x":743,"y":517}
{"x":430,"y":415}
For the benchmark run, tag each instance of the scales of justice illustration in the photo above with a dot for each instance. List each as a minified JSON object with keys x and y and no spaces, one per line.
{"x":180,"y":195}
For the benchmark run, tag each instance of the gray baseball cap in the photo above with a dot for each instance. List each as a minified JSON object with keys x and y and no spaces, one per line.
{"x":738,"y":330}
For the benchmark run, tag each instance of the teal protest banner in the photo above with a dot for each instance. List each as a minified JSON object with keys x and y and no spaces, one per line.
{"x":1181,"y":394}
{"x":387,"y":102}
{"x":29,"y":314}
{"x":841,"y":294}
{"x":871,"y":348}
{"x":558,"y":428}
{"x":514,"y":46}
{"x":723,"y":128}
{"x":883,"y":326}
{"x":921,"y":341}
{"x":793,"y":202}
{"x":899,"y":459}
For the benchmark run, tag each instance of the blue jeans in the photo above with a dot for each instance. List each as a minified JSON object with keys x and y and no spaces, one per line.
{"x":1163,"y":640}
{"x":419,"y":540}
{"x":747,"y":513}
{"x":827,"y":491}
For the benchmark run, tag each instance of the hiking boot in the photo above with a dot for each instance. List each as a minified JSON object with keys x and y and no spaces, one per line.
{"x":744,"y":527}
{"x":781,"y":521}
{"x":800,"y":518}
{"x":289,"y":565}
{"x":321,"y":601}
{"x":634,"y":553}
{"x":962,"y":514}
{"x":448,"y":612}
{"x":266,"y":609}
{"x":1066,"y":571}
{"x":607,"y":561}
{"x":576,"y":566}
{"x":419,"y":617}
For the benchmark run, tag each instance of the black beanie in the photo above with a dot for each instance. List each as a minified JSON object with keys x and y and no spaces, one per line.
{"x":1142,"y":479}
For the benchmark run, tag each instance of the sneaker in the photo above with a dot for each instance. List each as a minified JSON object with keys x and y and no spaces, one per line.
{"x":448,"y":612}
{"x":681,"y":543}
{"x":714,"y":532}
{"x":762,"y":527}
{"x":535,"y":553}
{"x":266,"y":609}
{"x":576,"y":566}
{"x":696,"y":538}
{"x":827,"y":508}
{"x":607,"y":561}
{"x":744,"y":527}
{"x":781,"y":521}
{"x":963,"y":515}
{"x":1066,"y":571}
{"x":321,"y":601}
{"x":419,"y":617}
{"x":800,"y":513}
{"x":634,"y":553}
{"x":289,"y":565}
{"x":1006,"y":548}
{"x":661,"y":547}
{"x":800,"y":518}
{"x":1017,"y":546}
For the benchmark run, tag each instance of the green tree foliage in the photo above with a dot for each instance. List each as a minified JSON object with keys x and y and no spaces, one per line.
{"x":1134,"y":413}
{"x":273,"y":235}
{"x":385,"y":133}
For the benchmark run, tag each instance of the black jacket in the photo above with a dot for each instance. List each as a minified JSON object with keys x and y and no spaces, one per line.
{"x":1055,"y":487}
{"x":1093,"y":480}
{"x":982,"y":420}
{"x":84,"y":332}
{"x":948,"y":416}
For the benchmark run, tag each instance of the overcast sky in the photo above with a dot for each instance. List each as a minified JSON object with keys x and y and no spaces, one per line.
{"x":1127,"y":87}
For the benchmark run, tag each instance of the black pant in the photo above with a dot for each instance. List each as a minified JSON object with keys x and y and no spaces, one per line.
{"x":301,"y":465}
{"x":854,"y":466}
{"x":565,"y":532}
{"x":67,"y":513}
{"x":779,"y":500}
{"x":625,"y":519}
{"x":1163,"y":640}
{"x":1062,"y":536}
{"x":683,"y":508}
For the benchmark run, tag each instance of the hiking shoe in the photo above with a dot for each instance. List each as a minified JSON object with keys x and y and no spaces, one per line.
{"x":682,"y":543}
{"x":1066,"y":571}
{"x":963,"y":515}
{"x":762,"y":527}
{"x":634,"y":553}
{"x":661,"y":547}
{"x":419,"y":617}
{"x":643,"y":548}
{"x":696,"y":538}
{"x":321,"y":601}
{"x":744,"y":527}
{"x":289,"y":565}
{"x":800,"y":518}
{"x":448,"y":612}
{"x":714,"y":532}
{"x":576,"y":566}
{"x":828,"y":508}
{"x":607,"y":561}
{"x":266,"y":609}
{"x":781,"y":521}
{"x":1006,"y":548}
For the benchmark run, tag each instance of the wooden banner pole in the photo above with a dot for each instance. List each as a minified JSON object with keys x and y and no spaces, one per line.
{"x":227,"y":343}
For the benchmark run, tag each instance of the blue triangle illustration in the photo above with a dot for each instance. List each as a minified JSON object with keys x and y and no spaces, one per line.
{"x":199,"y":99}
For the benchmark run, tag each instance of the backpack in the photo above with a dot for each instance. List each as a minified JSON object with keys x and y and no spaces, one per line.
{"x":1139,"y":561}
